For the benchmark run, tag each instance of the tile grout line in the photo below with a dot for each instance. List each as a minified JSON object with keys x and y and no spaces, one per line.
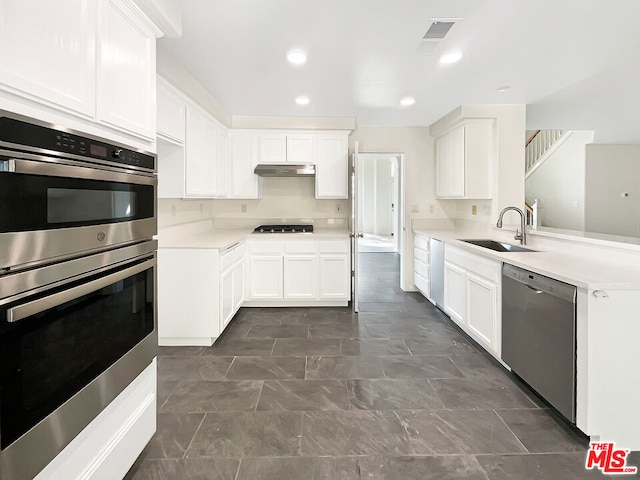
{"x":228,"y":369}
{"x":186,"y":450}
{"x":255,"y":409}
{"x":512,"y":432}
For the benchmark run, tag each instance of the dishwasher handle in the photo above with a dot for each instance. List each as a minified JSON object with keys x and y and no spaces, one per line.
{"x":540,"y":283}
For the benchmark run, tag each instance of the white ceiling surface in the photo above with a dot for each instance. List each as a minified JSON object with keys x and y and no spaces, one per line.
{"x":362,"y":57}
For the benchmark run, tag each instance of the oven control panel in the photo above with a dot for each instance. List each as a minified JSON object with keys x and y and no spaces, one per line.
{"x":37,"y":138}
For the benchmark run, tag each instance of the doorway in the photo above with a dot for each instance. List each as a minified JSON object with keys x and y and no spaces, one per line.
{"x":379,"y":217}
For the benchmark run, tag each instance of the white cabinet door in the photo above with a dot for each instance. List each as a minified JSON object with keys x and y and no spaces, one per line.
{"x":171,"y":113}
{"x":273,"y":148}
{"x":227,"y":305}
{"x":265,"y":276}
{"x":126,"y":90}
{"x":300,"y":277}
{"x":334,"y":276}
{"x":450,"y":164}
{"x":238,"y":284}
{"x":454,"y":292}
{"x":482,"y":310}
{"x":300,"y":149}
{"x":332,"y":168}
{"x":200,"y":154}
{"x":47,"y":52}
{"x":244,"y":158}
{"x":171,"y":167}
{"x":222,"y":162}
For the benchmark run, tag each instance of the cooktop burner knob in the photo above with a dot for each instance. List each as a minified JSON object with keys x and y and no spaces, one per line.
{"x":304,"y":230}
{"x":272,"y":230}
{"x":293,"y":230}
{"x":282,"y":230}
{"x":262,"y":230}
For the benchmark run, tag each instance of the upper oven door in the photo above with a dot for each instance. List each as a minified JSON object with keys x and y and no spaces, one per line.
{"x":50,"y":209}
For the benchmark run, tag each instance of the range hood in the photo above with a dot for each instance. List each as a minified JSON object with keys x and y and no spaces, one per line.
{"x":285,"y":170}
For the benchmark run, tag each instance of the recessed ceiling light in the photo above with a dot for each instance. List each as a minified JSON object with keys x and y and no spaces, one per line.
{"x":451,"y":57}
{"x":296,"y":57}
{"x":504,"y":88}
{"x":302,"y":100}
{"x":406,"y":101}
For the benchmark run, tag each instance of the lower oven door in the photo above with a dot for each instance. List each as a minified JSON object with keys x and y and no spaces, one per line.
{"x":65,"y":354}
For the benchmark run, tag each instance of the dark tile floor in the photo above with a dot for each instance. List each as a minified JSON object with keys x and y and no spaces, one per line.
{"x":395,"y":392}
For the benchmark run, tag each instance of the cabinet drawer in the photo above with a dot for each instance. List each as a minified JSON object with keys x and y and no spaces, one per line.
{"x":421,"y":283}
{"x":489,"y":269}
{"x":266,"y":246}
{"x":334,"y":246}
{"x":421,"y":242}
{"x":421,"y":255}
{"x":303,"y":246}
{"x":421,"y":268}
{"x":231,"y":256}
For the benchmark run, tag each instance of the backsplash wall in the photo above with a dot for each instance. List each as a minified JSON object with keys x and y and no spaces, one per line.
{"x":285,"y":198}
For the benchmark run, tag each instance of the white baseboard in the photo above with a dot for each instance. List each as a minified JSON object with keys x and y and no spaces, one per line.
{"x":186,"y":341}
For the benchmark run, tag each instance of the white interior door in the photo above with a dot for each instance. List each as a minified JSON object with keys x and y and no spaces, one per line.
{"x":355,"y":222}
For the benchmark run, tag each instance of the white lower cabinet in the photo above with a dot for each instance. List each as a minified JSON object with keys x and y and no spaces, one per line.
{"x":301,"y":276}
{"x":199,"y":292}
{"x":471,"y":295}
{"x":298,"y":272}
{"x":421,"y":277}
{"x":482,"y":305}
{"x":265,"y":276}
{"x":454,"y":295}
{"x":334,"y":284}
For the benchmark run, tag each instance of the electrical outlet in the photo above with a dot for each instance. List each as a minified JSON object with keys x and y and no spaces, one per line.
{"x":243,"y":208}
{"x":415,"y":208}
{"x":338,"y":208}
{"x":432,"y":208}
{"x":474,"y":209}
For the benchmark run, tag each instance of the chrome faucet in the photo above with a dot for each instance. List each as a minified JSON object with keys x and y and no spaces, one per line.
{"x":520,"y":235}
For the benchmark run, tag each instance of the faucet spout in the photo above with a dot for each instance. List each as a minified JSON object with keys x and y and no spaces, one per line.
{"x":521,"y":234}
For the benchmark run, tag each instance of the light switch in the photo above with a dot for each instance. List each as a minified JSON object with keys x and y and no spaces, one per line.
{"x":415,"y":208}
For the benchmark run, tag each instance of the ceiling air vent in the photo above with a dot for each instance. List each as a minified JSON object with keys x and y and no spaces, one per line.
{"x":438,"y":29}
{"x":435,"y":33}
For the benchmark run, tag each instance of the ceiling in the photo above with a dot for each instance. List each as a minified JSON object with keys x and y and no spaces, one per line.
{"x":365,"y":55}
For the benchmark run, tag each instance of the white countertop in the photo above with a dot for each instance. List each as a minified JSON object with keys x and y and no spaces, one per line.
{"x":221,"y":239}
{"x":578,"y":270}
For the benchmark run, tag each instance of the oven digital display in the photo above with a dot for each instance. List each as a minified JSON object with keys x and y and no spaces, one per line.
{"x":98,"y":150}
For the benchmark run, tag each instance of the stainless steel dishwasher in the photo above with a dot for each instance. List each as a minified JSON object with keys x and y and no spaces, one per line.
{"x":539,"y":335}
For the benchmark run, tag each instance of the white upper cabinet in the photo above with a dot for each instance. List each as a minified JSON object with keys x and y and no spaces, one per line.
{"x":200,"y":149}
{"x":222,"y":162}
{"x":171,"y":113}
{"x":332,"y":166}
{"x":300,"y":149}
{"x":47,"y":52}
{"x":244,"y":158}
{"x":126,"y":69}
{"x":273,"y":148}
{"x":464,"y":157}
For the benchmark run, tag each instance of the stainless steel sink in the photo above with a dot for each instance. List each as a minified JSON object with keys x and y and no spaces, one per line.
{"x":498,"y":246}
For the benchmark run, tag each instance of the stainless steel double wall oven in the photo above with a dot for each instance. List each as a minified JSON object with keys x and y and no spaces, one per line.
{"x":77,"y":284}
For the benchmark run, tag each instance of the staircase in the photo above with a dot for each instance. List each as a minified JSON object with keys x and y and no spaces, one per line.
{"x":538,"y":143}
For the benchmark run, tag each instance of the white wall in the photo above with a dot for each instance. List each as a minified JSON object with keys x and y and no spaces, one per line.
{"x":612,"y":171}
{"x":283,"y":199}
{"x":376,"y":191}
{"x":418,"y":176}
{"x":559,"y":183}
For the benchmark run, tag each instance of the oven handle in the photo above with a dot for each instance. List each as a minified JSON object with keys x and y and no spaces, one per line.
{"x":34,"y":307}
{"x":57,"y":169}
